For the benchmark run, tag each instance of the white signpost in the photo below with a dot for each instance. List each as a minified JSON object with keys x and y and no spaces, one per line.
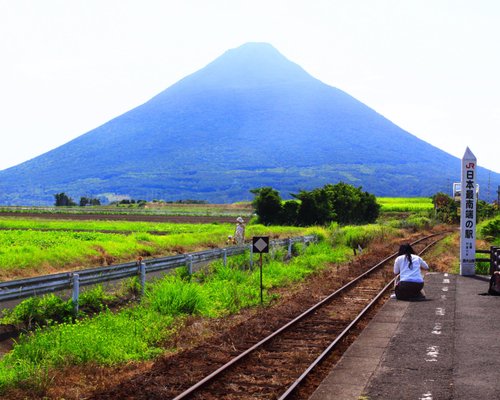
{"x":468,"y":214}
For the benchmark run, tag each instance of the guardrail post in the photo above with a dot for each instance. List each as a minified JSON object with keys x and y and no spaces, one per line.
{"x":142,"y":272}
{"x":190,"y":264}
{"x":225,"y":257}
{"x":76,"y":292}
{"x":289,"y":252}
{"x":251,"y":257}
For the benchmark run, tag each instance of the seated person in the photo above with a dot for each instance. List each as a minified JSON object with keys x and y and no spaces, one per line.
{"x":411,"y":282}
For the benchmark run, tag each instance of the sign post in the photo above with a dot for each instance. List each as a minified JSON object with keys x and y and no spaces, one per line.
{"x":468,"y":201}
{"x":260,"y":244}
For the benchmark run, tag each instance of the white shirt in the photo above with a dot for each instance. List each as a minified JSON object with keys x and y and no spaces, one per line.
{"x":413,"y":274}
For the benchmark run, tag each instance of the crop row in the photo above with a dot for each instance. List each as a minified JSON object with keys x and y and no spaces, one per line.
{"x":97,"y":225}
{"x":151,"y":209}
{"x":405,"y":204}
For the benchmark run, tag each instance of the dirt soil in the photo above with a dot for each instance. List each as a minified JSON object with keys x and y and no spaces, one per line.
{"x":185,"y":350}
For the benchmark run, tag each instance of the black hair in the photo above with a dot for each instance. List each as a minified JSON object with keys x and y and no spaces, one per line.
{"x":406,"y":250}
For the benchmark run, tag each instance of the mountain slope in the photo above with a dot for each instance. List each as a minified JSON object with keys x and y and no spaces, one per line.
{"x":250,"y":118}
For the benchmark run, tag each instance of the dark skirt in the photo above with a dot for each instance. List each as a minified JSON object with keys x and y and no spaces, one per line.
{"x":409,"y":290}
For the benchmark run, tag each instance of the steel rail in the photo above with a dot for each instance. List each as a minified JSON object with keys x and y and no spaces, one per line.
{"x":345,"y":332}
{"x":251,"y":349}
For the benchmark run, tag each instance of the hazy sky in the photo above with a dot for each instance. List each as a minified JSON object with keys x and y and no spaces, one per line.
{"x":430,"y":66}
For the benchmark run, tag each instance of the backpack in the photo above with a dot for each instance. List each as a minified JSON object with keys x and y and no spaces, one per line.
{"x":494,"y":289}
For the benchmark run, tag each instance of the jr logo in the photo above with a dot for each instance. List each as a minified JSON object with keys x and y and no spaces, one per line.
{"x":470,"y":165}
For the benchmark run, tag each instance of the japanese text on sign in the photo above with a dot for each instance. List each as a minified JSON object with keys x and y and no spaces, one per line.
{"x":468,"y":214}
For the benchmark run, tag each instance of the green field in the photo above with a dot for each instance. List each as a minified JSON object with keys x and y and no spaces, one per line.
{"x":137,"y":333}
{"x":405,"y":204}
{"x":19,"y":222}
{"x":160,"y":208}
{"x":27,"y":248}
{"x":35,"y":246}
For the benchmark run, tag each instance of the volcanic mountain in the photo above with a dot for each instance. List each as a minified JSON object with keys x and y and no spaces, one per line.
{"x":251,"y":118}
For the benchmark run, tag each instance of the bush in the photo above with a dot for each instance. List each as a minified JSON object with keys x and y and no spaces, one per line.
{"x":175,"y":297}
{"x":492,"y":229}
{"x":95,"y":299}
{"x":485,"y":210}
{"x":267,"y":204}
{"x":342,"y":203}
{"x":39,"y":311}
{"x":414,"y":223}
{"x":290,"y":212}
{"x":446,"y":208}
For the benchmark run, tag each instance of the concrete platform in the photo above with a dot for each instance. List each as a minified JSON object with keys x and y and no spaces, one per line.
{"x":446,"y":347}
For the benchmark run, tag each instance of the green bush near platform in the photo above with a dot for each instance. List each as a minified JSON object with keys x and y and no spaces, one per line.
{"x":490,"y":230}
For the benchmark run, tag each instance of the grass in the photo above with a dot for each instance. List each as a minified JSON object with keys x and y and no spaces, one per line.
{"x":159,"y":208}
{"x":136,"y":333}
{"x":405,"y":204}
{"x":353,"y":236}
{"x":490,"y":230}
{"x":33,"y":251}
{"x":97,"y":225}
{"x":107,"y":339}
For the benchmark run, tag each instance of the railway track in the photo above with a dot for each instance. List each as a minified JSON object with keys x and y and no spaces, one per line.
{"x":279,"y":365}
{"x":293,"y":353}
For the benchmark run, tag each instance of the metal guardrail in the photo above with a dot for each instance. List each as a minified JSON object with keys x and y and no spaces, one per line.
{"x":22,"y":288}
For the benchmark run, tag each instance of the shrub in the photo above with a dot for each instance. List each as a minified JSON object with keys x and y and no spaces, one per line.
{"x":446,"y":208}
{"x":485,"y":210}
{"x":491,"y":229}
{"x":174,"y":296}
{"x":39,"y":311}
{"x":267,"y":204}
{"x":414,"y":223}
{"x":95,"y":299}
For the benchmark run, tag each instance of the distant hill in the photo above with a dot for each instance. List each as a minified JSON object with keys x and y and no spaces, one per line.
{"x":251,"y":118}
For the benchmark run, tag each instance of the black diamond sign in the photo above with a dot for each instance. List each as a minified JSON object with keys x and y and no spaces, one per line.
{"x":260,"y":244}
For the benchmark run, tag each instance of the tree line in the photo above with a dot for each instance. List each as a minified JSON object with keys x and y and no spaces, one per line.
{"x":342,"y":203}
{"x":63,"y":200}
